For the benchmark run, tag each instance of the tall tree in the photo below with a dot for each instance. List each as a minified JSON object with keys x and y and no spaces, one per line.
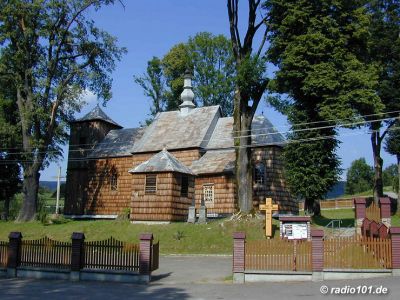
{"x":359,"y":177}
{"x":385,"y":53}
{"x":319,"y":48}
{"x":209,"y":56}
{"x":392,"y":146}
{"x":52,"y":53}
{"x":10,"y":138}
{"x":251,"y":84}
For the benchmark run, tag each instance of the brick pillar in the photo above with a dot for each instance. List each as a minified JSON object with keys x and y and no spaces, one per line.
{"x":239,"y":253}
{"x":145,"y":246}
{"x":359,"y":205}
{"x":395,"y":238}
{"x":77,"y":255}
{"x":385,"y":211}
{"x":317,"y":254}
{"x":14,"y":253}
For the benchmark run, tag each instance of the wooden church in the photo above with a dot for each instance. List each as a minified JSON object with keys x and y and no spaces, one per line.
{"x":183,"y":157}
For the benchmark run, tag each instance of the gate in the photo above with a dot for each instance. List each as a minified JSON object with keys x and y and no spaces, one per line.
{"x":278,"y":255}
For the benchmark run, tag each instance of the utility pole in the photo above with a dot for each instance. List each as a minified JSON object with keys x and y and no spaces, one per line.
{"x":58,"y":189}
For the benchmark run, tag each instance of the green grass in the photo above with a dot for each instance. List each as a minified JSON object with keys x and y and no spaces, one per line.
{"x":367,"y":193}
{"x":212,"y":238}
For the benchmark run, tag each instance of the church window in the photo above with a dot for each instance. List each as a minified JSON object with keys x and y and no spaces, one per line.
{"x":208,"y":194}
{"x":184,"y":185}
{"x":151,"y":184}
{"x":114,"y":181}
{"x":259,"y":174}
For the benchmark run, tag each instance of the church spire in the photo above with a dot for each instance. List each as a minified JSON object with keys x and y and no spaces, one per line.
{"x":187,"y":95}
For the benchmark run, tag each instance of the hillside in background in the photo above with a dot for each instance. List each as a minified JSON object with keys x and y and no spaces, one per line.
{"x":337,"y":190}
{"x":50,"y":185}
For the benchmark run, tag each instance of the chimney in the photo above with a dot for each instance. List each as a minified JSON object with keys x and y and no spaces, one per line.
{"x":187,"y":95}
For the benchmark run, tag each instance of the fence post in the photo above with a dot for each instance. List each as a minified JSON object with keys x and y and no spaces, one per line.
{"x":317,"y":254}
{"x":359,"y":205}
{"x":14,"y":253}
{"x":145,"y":248}
{"x":385,"y":211}
{"x":395,"y":238}
{"x":239,"y":253}
{"x":77,"y":255}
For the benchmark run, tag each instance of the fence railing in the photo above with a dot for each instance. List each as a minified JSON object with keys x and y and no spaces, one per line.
{"x":155,"y":254}
{"x":357,"y":253}
{"x":3,"y":254}
{"x":46,"y":253}
{"x":332,"y":204}
{"x":111,"y":254}
{"x":277,"y":254}
{"x":373,"y":212}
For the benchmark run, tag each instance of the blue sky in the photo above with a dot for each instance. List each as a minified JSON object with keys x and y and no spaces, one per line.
{"x":150,"y":28}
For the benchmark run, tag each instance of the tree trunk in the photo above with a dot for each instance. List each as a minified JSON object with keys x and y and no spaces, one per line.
{"x":30,"y":190}
{"x":398,"y":174}
{"x":244,"y":172}
{"x":6,"y":210}
{"x":378,"y":163}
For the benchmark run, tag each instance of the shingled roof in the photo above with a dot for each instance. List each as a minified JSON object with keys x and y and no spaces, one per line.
{"x":162,"y":162}
{"x":263,"y":134}
{"x":97,"y":114}
{"x":215,"y":162}
{"x":174,"y":130}
{"x":117,"y":143}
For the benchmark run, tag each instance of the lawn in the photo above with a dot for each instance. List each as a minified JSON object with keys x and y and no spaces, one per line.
{"x":175,"y":238}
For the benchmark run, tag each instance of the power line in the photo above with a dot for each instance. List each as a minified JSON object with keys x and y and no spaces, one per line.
{"x":4,"y":162}
{"x":264,"y":128}
{"x":207,"y":140}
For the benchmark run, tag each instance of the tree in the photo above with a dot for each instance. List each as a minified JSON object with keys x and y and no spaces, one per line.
{"x":359,"y":177}
{"x":392,"y":146}
{"x":390,"y":175}
{"x":52,"y":54}
{"x":251,"y":84}
{"x":10,"y":139}
{"x":384,"y":52}
{"x":209,"y":56}
{"x":319,"y":47}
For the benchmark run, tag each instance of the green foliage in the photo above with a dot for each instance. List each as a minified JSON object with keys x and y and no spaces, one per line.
{"x":211,"y":59}
{"x":390,"y":175}
{"x":124,"y":215}
{"x":51,"y":54}
{"x":392,"y":142}
{"x":359,"y":177}
{"x":179,"y":235}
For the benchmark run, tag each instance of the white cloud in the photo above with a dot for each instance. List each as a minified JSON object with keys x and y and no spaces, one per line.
{"x":88,"y":97}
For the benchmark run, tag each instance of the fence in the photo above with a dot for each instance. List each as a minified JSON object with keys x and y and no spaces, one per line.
{"x":46,"y":253}
{"x":317,"y":259}
{"x":111,"y":254}
{"x":109,"y":259}
{"x":155,"y":254}
{"x":332,"y":204}
{"x":357,"y":252}
{"x":277,"y":254}
{"x":3,"y":254}
{"x":373,"y":212}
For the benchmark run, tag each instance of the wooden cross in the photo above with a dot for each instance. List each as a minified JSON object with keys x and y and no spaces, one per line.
{"x":268,"y":207}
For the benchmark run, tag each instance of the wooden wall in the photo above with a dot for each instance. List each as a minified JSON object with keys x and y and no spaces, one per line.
{"x":166,"y":205}
{"x":77,"y":169}
{"x":101,"y":200}
{"x":275,"y":186}
{"x":224,"y":193}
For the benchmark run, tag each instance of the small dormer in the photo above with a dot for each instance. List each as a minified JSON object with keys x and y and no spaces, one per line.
{"x":187,"y":95}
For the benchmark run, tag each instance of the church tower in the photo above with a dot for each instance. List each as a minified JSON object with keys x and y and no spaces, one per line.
{"x":86,"y":132}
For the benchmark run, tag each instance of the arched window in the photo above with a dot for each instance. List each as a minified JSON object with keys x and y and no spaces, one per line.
{"x":259,"y":174}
